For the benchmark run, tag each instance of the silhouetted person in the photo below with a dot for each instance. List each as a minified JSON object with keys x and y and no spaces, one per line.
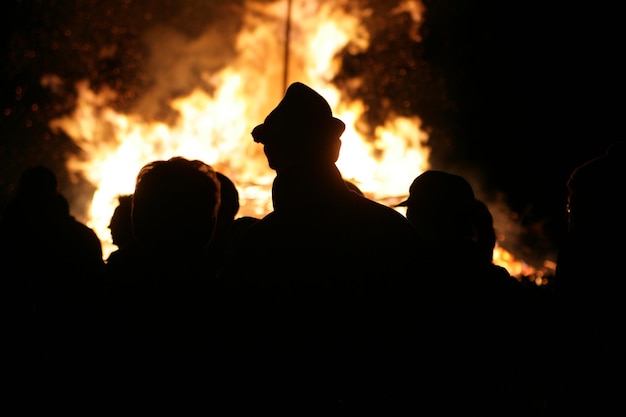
{"x":122,"y":236}
{"x":440,"y":205}
{"x":229,"y":227}
{"x":474,"y":313}
{"x":589,"y":283}
{"x":485,"y":234}
{"x":46,"y":252}
{"x":52,"y":268}
{"x":319,"y":281}
{"x":159,"y":315}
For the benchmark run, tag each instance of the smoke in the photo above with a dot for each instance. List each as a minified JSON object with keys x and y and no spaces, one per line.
{"x":178,"y":64}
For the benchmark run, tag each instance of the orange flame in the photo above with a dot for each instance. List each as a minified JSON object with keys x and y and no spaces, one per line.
{"x":214,"y":126}
{"x":214,"y":120}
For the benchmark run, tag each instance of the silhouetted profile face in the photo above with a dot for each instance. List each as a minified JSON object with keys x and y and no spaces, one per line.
{"x":175,"y":204}
{"x":300,"y":129}
{"x":121,"y":224}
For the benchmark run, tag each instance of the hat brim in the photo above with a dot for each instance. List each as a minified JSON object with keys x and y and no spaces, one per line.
{"x":259,"y":133}
{"x":332,"y":128}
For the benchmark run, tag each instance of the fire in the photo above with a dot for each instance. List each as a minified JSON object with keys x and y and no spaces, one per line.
{"x":214,"y":121}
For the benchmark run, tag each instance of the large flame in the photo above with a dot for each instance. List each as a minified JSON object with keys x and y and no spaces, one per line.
{"x":214,"y":121}
{"x":214,"y":126}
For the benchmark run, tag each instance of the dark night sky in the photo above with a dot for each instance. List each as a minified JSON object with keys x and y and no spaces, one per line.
{"x":539,"y":90}
{"x":518,"y":92}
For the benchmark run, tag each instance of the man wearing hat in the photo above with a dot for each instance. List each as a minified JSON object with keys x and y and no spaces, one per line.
{"x":440,"y":205}
{"x":477,"y":311}
{"x":322,"y":275}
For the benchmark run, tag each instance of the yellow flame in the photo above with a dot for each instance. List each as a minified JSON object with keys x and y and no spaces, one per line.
{"x":214,"y":120}
{"x":214,"y":126}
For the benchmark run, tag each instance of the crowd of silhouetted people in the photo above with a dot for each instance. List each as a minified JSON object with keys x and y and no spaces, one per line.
{"x":332,"y":304}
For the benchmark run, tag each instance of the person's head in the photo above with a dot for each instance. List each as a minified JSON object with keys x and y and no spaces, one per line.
{"x":229,"y":207}
{"x":595,"y":193}
{"x":175,"y":204}
{"x":36,"y":196}
{"x":229,"y":198}
{"x":440,"y":206}
{"x":301,"y":129}
{"x":121,"y":223}
{"x":62,"y":206}
{"x":37,"y":184}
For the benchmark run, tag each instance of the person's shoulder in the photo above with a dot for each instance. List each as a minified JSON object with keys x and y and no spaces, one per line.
{"x":81,"y":229}
{"x":375,"y":208}
{"x":387,"y":217}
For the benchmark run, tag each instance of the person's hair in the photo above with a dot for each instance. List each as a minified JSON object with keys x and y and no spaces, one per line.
{"x":37,"y":183}
{"x":441,"y":205}
{"x":175,"y":204}
{"x":229,"y":195}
